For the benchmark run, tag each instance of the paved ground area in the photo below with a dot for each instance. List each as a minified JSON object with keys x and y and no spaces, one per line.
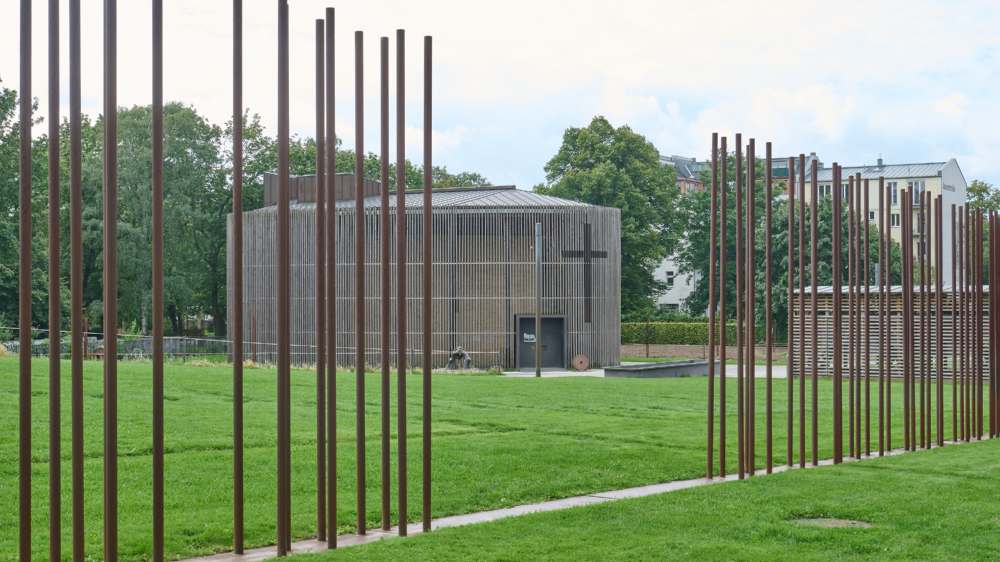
{"x":313,"y":545}
{"x":777,"y":371}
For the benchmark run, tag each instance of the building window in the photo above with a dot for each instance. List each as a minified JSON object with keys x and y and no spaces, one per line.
{"x":824,"y":190}
{"x":894,"y":221}
{"x":916,"y":188}
{"x":670,"y":279}
{"x":871,"y":216}
{"x":894,"y":192}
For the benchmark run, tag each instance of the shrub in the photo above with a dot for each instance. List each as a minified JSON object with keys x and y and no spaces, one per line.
{"x":677,"y":333}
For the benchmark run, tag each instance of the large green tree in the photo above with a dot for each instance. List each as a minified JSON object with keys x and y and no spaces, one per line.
{"x":617,"y":167}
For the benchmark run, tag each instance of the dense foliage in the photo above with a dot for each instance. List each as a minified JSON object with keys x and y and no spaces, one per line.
{"x":197,"y":200}
{"x":616,"y":167}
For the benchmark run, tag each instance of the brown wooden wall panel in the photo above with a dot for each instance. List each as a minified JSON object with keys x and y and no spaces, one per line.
{"x":895,"y":302}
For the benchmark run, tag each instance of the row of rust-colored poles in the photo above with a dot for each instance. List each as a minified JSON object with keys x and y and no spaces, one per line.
{"x":326,"y":301}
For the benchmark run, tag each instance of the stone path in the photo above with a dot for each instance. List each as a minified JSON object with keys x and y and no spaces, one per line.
{"x":313,"y":545}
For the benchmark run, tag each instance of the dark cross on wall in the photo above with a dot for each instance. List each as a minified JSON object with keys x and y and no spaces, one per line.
{"x":588,"y":254}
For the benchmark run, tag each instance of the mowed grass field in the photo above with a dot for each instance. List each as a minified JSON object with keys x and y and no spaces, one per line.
{"x":496,"y":442}
{"x":930,"y":505}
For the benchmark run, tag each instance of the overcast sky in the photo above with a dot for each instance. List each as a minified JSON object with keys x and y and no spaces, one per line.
{"x":910,"y":80}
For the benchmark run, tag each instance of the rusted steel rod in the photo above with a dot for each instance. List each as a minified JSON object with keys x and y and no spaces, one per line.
{"x":907,"y":248}
{"x":740,"y":314}
{"x":751,"y":327}
{"x":24,"y":290}
{"x":331,"y":282}
{"x":954,"y":324}
{"x":157,"y":284}
{"x":790,"y":336}
{"x":802,"y":307}
{"x":838,"y":449}
{"x":928,"y":311}
{"x":768,"y":316}
{"x":237,"y":305}
{"x":962,"y":361}
{"x":939,"y":314}
{"x":723,"y":259}
{"x":883,"y":332}
{"x":384,"y":274}
{"x":428,"y":303}
{"x":401,"y":259}
{"x":979,"y":324}
{"x":814,"y":300}
{"x":866,"y":318}
{"x":359,"y":274}
{"x":922,"y":257}
{"x":852,"y":271}
{"x":710,"y":432}
{"x":858,"y":221}
{"x":320,"y":77}
{"x":284,"y":281}
{"x":76,"y":276}
{"x":887,"y":242}
{"x":110,"y":280}
{"x":55,"y":316}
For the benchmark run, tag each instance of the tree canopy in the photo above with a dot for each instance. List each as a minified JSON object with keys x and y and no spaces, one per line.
{"x":197,"y":201}
{"x":617,"y":167}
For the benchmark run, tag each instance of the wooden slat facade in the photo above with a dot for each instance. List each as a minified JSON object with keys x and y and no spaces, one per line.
{"x":824,"y":315}
{"x":483,"y":276}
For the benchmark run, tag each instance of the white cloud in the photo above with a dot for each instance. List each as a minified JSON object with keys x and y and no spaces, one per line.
{"x":849,"y":81}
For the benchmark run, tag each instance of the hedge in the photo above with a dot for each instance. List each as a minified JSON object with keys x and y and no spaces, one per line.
{"x":678,"y":333}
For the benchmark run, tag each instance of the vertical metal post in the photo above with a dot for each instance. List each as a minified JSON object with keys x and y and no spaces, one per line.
{"x":750,"y":330}
{"x":922,"y":256}
{"x":838,"y":450}
{"x":768,"y":314}
{"x":237,"y":305}
{"x":979,"y":325}
{"x":321,"y":172}
{"x":24,"y":290}
{"x":76,"y":275}
{"x":157,"y":310}
{"x":954,"y":324}
{"x":961,"y":323}
{"x":814,"y":279}
{"x":428,"y":305}
{"x":723,"y":339}
{"x":710,"y":433}
{"x":110,"y":280}
{"x":385,"y":233}
{"x":802,"y":304}
{"x":331,"y":284}
{"x":867,"y":324}
{"x":887,"y":243}
{"x":740,"y":312}
{"x":883,"y":332}
{"x":939,"y":315}
{"x":284,"y":280}
{"x":852,"y":272}
{"x":538,"y":299}
{"x":55,"y":311}
{"x":401,"y":259}
{"x":906,"y":245}
{"x":359,"y":272}
{"x":858,"y":221}
{"x":790,"y":332}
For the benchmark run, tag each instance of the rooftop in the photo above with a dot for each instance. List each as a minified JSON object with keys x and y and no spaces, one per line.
{"x":887,"y":171}
{"x":505,"y":196}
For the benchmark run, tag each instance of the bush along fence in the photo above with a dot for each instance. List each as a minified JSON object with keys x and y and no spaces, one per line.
{"x":672,"y":333}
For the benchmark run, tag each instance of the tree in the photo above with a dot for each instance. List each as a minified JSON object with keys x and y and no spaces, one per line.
{"x":693,"y":255}
{"x":602,"y":165}
{"x":983,"y":196}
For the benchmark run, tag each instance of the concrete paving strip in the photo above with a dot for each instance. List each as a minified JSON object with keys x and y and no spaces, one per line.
{"x":313,"y":545}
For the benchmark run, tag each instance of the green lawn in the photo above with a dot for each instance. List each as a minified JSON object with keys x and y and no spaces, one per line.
{"x":497,"y":442}
{"x":930,"y":505}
